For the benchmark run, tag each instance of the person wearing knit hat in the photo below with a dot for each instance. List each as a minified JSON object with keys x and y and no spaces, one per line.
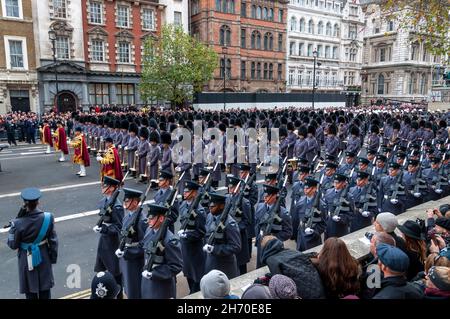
{"x":438,"y":283}
{"x":394,"y":263}
{"x":216,"y":285}
{"x":282,"y":287}
{"x":386,"y":222}
{"x":257,"y":291}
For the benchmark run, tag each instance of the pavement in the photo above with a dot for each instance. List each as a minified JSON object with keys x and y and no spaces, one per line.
{"x":73,"y":201}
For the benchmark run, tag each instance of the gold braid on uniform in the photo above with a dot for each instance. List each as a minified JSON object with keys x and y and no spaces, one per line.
{"x":108,"y":158}
{"x":76,"y":143}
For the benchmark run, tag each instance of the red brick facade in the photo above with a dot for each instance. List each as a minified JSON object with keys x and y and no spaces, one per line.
{"x":261,"y":58}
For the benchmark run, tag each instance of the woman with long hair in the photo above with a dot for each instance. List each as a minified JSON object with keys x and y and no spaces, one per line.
{"x":338,"y":269}
{"x":415,"y":246}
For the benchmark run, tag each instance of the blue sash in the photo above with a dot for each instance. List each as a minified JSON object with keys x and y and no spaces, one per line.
{"x":34,"y":247}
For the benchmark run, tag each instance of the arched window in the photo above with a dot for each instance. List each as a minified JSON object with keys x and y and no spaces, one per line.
{"x":328,"y":29}
{"x":311,"y":27}
{"x":336,"y":30}
{"x":302,"y":25}
{"x":256,"y":40}
{"x":254,"y":12}
{"x":265,"y":13}
{"x":271,"y":14}
{"x":381,"y":84}
{"x":218,"y":5}
{"x":258,"y":13}
{"x":225,"y":35}
{"x":320,"y":28}
{"x":230,"y":6}
{"x":293,"y":24}
{"x":268,"y":41}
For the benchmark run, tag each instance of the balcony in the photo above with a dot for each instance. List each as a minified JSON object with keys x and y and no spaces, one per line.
{"x":320,"y":84}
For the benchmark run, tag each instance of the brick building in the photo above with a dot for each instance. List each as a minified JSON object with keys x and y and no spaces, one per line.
{"x":18,"y":78}
{"x":250,"y":38}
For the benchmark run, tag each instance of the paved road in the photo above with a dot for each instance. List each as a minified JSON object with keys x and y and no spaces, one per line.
{"x":66,"y":195}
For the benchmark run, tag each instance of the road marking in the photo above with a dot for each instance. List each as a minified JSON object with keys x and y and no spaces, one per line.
{"x":31,"y":153}
{"x":54,"y":188}
{"x":21,"y":157}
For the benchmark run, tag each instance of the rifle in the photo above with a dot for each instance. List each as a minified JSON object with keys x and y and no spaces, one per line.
{"x":273,"y":222}
{"x":107,"y":209}
{"x":399,"y":189}
{"x":192,"y":214}
{"x":314,"y":209}
{"x":219,"y":232}
{"x":441,"y":180}
{"x":343,"y":201}
{"x":419,"y":184}
{"x":235,"y":212}
{"x":369,"y":199}
{"x":22,"y":212}
{"x":126,"y":235}
{"x":155,"y":249}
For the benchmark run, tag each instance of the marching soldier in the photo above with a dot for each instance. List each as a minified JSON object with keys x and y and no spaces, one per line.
{"x":374,"y":139}
{"x":362,"y":197}
{"x":160,"y":281}
{"x":132,"y":145}
{"x":80,"y":154}
{"x":433,"y":177}
{"x":380,"y":168}
{"x":334,"y":205}
{"x":163,"y":193}
{"x":350,"y":162}
{"x":132,"y":258}
{"x":363,"y":166}
{"x":332,"y":142}
{"x":192,"y":237}
{"x":311,"y":221}
{"x":313,"y":147}
{"x":326,"y":180}
{"x":297,"y":191}
{"x":47,"y":136}
{"x":221,"y":254}
{"x":271,"y":179}
{"x":142,"y":151}
{"x":262,"y":218}
{"x":110,"y":161}
{"x":125,"y":138}
{"x":243,"y":217}
{"x":415,"y":186}
{"x":354,"y":142}
{"x":390,"y":194}
{"x":203,"y":174}
{"x":109,"y":232}
{"x":153,"y":157}
{"x":166,"y":156}
{"x":301,"y":144}
{"x":61,"y":141}
{"x":32,"y":233}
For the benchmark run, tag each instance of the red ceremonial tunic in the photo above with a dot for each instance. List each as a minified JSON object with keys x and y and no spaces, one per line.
{"x":111,"y":164}
{"x":80,"y":155}
{"x":61,"y":140}
{"x":47,"y":135}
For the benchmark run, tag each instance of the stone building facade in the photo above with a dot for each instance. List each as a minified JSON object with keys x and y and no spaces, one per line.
{"x":18,"y":77}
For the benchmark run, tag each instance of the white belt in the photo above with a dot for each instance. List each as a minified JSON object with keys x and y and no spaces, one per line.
{"x":132,"y":244}
{"x":107,"y":224}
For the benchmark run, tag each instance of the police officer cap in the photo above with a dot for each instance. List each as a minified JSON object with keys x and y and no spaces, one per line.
{"x":244,"y":167}
{"x":393,"y":257}
{"x":350,"y":154}
{"x":269,"y":189}
{"x":110,"y":181}
{"x":331,"y":165}
{"x":436,"y":160}
{"x":394,"y":165}
{"x":271,"y":176}
{"x":191,"y":186}
{"x":31,"y":194}
{"x":131,"y":193}
{"x":217,"y":198}
{"x":362,"y":175}
{"x":401,"y":155}
{"x":413,"y":162}
{"x":340,"y":177}
{"x":164,"y":174}
{"x":155,"y":210}
{"x":381,"y":158}
{"x":363,"y":160}
{"x":231,"y":180}
{"x":304,"y":169}
{"x":311,"y":182}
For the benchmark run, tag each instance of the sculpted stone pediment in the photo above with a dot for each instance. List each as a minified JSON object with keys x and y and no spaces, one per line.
{"x":125,"y":34}
{"x":97,"y":31}
{"x":63,"y":67}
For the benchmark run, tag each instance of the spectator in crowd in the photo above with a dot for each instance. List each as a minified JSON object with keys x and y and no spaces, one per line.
{"x":415,"y":247}
{"x":387,"y":222}
{"x":216,"y":285}
{"x":338,"y":269}
{"x":282,"y":287}
{"x":257,"y":291}
{"x":394,"y":264}
{"x":438,"y":283}
{"x":104,"y":286}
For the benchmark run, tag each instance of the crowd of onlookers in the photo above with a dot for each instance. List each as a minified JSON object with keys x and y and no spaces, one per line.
{"x":407,"y":261}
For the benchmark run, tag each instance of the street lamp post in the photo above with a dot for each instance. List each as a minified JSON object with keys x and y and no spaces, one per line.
{"x":224,"y":51}
{"x":52,"y":37}
{"x":314,"y":78}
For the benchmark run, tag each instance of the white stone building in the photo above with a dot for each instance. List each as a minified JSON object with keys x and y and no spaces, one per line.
{"x":176,"y":12}
{"x":396,"y":66}
{"x":334,"y":30}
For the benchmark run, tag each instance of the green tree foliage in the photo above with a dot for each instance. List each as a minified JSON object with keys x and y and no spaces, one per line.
{"x":175,"y":66}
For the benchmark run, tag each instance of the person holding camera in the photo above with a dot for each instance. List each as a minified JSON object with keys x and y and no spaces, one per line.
{"x":32,"y":233}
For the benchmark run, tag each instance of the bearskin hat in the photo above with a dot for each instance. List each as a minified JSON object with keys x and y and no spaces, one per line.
{"x":354,"y":130}
{"x":166,"y":138}
{"x":396,"y":125}
{"x":133,"y":128}
{"x":332,"y":129}
{"x":312,"y":130}
{"x":154,"y":137}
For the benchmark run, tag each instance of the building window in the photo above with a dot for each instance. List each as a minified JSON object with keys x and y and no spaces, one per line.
{"x":148,"y":19}
{"x":95,"y":12}
{"x":353,"y":53}
{"x":352,"y":30}
{"x":293,"y":24}
{"x":98,"y":51}
{"x":258,"y":71}
{"x":319,"y":51}
{"x":62,"y":47}
{"x":280,"y":71}
{"x":280,"y":42}
{"x":258,"y":13}
{"x":59,"y":9}
{"x":243,"y":9}
{"x":253,"y":71}
{"x":382,"y":54}
{"x":125,"y":93}
{"x":243,"y":38}
{"x":99,"y":93}
{"x":16,"y":54}
{"x":12,"y":8}
{"x":270,"y":17}
{"x":123,"y":16}
{"x":328,"y":29}
{"x":280,"y":15}
{"x":415,"y":52}
{"x":268,"y":42}
{"x":243,"y":70}
{"x":311,"y":27}
{"x":177,"y":18}
{"x":195,"y":7}
{"x":225,"y":35}
{"x":335,"y":52}
{"x":300,"y":49}
{"x":412,"y":84}
{"x":423,"y":84}
{"x":320,"y":28}
{"x":300,"y":78}
{"x":310,"y":49}
{"x":327,"y":52}
{"x":302,"y":25}
{"x":380,"y":84}
{"x":265,"y":13}
{"x":226,"y":68}
{"x":390,"y":25}
{"x":253,"y":11}
{"x":353,"y":11}
{"x":336,"y":30}
{"x":291,"y":77}
{"x":291,"y":48}
{"x":270,"y":71}
{"x":266,"y":71}
{"x":124,"y":52}
{"x":256,"y":40}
